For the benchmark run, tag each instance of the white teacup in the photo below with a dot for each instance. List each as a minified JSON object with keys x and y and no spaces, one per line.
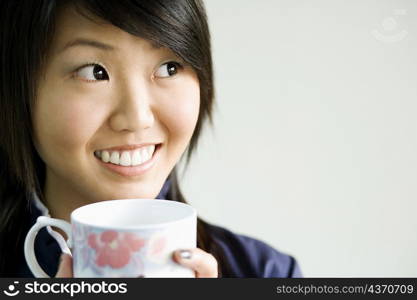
{"x":123,"y":238}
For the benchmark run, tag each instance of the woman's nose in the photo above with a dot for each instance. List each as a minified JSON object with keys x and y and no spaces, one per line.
{"x":133,"y":110}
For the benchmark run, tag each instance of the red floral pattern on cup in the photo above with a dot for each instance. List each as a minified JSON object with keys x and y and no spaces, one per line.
{"x":157,"y":246}
{"x":114,"y":248}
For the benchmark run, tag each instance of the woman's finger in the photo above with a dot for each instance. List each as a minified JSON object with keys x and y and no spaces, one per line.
{"x":65,"y":267}
{"x":204,"y":264}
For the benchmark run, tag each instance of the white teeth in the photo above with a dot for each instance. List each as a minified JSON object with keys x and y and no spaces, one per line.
{"x":127,"y":158}
{"x":144,"y":154}
{"x":151,"y":149}
{"x":105,"y":156}
{"x":136,"y":158}
{"x":114,"y":158}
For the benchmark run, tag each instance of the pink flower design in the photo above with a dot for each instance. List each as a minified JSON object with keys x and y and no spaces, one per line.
{"x":157,"y":248}
{"x":114,"y":248}
{"x":158,"y":245}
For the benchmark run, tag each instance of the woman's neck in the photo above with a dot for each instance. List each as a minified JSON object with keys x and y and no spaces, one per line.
{"x":61,"y":200}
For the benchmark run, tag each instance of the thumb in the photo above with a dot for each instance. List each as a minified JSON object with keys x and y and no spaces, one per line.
{"x":65,"y":266}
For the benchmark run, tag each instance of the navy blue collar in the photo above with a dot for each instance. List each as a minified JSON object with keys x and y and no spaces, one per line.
{"x":163,"y":194}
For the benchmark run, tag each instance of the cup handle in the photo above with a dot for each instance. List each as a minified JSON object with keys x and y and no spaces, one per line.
{"x":29,"y":247}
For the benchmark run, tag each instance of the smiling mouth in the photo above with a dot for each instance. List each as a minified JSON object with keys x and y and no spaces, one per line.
{"x":131,"y":158}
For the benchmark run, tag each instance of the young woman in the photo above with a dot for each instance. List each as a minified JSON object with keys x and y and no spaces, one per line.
{"x":90,"y":89}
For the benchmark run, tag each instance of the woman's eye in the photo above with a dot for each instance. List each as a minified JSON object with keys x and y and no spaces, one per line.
{"x":168,"y":69}
{"x":93,"y":72}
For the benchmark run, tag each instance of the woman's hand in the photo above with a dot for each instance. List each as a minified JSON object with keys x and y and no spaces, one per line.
{"x":65,"y":266}
{"x":202,"y":263}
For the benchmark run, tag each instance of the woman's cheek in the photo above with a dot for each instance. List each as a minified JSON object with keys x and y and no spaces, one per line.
{"x":182,"y":113}
{"x":67,"y":125}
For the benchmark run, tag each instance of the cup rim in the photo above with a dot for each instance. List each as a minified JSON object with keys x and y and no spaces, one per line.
{"x":192,"y":214}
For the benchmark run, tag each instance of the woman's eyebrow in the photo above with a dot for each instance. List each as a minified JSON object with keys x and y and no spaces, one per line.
{"x":86,"y":42}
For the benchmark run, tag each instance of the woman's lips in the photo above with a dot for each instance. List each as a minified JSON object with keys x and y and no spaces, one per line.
{"x":132,"y":170}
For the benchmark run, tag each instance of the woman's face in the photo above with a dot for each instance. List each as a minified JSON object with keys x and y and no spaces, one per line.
{"x":104,"y":88}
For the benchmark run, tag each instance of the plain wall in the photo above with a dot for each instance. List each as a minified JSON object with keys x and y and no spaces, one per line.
{"x":314,"y":145}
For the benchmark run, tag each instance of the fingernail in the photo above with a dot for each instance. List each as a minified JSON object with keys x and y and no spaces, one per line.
{"x":185,"y":254}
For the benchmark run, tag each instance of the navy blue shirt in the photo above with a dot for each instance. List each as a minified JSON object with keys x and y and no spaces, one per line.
{"x":246,"y":256}
{"x":251,"y":258}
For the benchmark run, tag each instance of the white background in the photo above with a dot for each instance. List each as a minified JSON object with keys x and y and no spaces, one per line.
{"x":314,"y":148}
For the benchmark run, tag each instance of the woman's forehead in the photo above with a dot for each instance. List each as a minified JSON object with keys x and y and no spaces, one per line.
{"x":74,"y":28}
